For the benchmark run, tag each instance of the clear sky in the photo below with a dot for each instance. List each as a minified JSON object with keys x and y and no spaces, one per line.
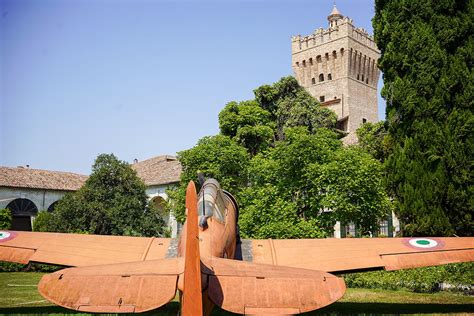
{"x":138,"y":78}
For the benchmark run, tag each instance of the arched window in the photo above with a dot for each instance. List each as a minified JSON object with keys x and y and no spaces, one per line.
{"x":342,"y":51}
{"x":313,"y":80}
{"x":367,"y":80}
{"x":158,"y":204}
{"x":363,"y":79}
{"x":52,"y":206}
{"x":318,"y":58}
{"x":311,"y":61}
{"x":304,"y":63}
{"x":357,"y":77}
{"x":297,"y":64}
{"x":327,"y":55}
{"x":334,"y":54}
{"x":329,"y":77}
{"x":22,"y":211}
{"x":321,"y":77}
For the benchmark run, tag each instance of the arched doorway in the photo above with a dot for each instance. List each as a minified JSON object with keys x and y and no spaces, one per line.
{"x":159,"y":204}
{"x":22,"y":211}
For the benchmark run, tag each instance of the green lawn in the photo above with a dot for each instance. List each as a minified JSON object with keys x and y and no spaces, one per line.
{"x":18,"y":295}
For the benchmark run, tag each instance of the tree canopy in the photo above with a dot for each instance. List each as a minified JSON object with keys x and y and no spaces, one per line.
{"x":427,"y":51}
{"x":111,"y":202}
{"x":282,"y":158}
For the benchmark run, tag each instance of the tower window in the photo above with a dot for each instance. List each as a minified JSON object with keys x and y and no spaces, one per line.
{"x":304,"y":64}
{"x":364,"y":120}
{"x":311,"y":61}
{"x":318,"y":58}
{"x":321,"y":77}
{"x":327,"y":55}
{"x":313,"y":80}
{"x":321,"y":98}
{"x":342,"y":51}
{"x":367,"y":80}
{"x":329,"y":77}
{"x":358,"y":77}
{"x":334,"y":54}
{"x":363,"y":78}
{"x":297,"y":64}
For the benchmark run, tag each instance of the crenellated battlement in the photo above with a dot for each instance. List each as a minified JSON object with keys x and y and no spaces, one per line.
{"x":321,"y":36}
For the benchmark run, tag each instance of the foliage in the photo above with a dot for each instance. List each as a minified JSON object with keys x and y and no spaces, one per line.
{"x":111,"y":202}
{"x":5,"y":218}
{"x":427,"y":52}
{"x":351,"y":186}
{"x":218,"y":157}
{"x":374,"y":139}
{"x":424,"y":280}
{"x":281,"y":157}
{"x":42,"y":221}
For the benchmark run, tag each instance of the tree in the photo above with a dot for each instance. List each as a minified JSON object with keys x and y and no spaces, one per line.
{"x":218,"y":157}
{"x":427,"y":51}
{"x":111,"y":202}
{"x":5,"y":218}
{"x":374,"y":139}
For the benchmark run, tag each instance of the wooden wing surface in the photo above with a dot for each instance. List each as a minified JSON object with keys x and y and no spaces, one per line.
{"x":353,"y":254}
{"x":80,"y":250}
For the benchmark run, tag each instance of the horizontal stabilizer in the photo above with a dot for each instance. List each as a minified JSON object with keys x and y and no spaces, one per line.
{"x":249,"y":288}
{"x":115,"y":288}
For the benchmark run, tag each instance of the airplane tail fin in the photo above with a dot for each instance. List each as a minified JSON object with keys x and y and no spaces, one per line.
{"x":192,"y":295}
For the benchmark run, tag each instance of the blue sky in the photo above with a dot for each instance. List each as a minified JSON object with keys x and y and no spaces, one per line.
{"x":138,"y":78}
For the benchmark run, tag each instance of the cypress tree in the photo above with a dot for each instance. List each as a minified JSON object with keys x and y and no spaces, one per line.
{"x":427,"y":57}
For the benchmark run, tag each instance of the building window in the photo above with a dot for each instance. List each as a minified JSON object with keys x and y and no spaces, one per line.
{"x":334,"y":54}
{"x":311,"y":61}
{"x":383,"y":231}
{"x":363,"y":79}
{"x":297,"y":64}
{"x":342,"y":51}
{"x":350,"y":230}
{"x":327,"y":55}
{"x":321,"y":98}
{"x":304,"y":64}
{"x":364,"y":120}
{"x":358,"y":77}
{"x":367,"y":80}
{"x":313,"y":80}
{"x":318,"y":58}
{"x":329,"y":77}
{"x":321,"y":77}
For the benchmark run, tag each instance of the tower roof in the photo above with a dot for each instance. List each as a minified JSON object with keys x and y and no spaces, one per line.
{"x":335,"y":14}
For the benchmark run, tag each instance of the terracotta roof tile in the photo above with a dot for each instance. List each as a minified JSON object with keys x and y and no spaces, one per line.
{"x":158,"y":170}
{"x":40,"y":179}
{"x":154,"y":171}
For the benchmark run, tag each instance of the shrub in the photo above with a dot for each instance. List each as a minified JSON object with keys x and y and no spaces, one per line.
{"x":5,"y":218}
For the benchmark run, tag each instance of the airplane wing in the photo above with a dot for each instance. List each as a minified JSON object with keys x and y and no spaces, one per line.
{"x":81,"y":250}
{"x":358,"y":254}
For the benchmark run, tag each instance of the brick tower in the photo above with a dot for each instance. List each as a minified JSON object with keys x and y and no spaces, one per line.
{"x":338,"y":66}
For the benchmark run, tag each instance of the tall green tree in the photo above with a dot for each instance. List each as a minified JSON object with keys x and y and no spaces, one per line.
{"x":427,"y":52}
{"x":111,"y":202}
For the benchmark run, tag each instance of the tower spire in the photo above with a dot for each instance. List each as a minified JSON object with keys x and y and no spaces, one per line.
{"x":335,"y":16}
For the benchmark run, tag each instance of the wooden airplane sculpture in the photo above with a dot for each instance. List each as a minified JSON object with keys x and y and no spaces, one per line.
{"x":210,"y":265}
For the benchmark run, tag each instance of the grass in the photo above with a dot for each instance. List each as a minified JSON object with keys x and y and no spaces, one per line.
{"x":18,"y":295}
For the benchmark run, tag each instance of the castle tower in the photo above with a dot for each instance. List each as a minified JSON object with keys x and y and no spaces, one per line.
{"x":338,"y":66}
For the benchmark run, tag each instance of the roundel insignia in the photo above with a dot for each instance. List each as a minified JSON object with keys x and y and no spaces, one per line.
{"x":5,"y":236}
{"x":424,"y":243}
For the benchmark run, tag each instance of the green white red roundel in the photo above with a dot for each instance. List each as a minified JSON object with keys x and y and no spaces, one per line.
{"x":423,"y":243}
{"x":4,"y":235}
